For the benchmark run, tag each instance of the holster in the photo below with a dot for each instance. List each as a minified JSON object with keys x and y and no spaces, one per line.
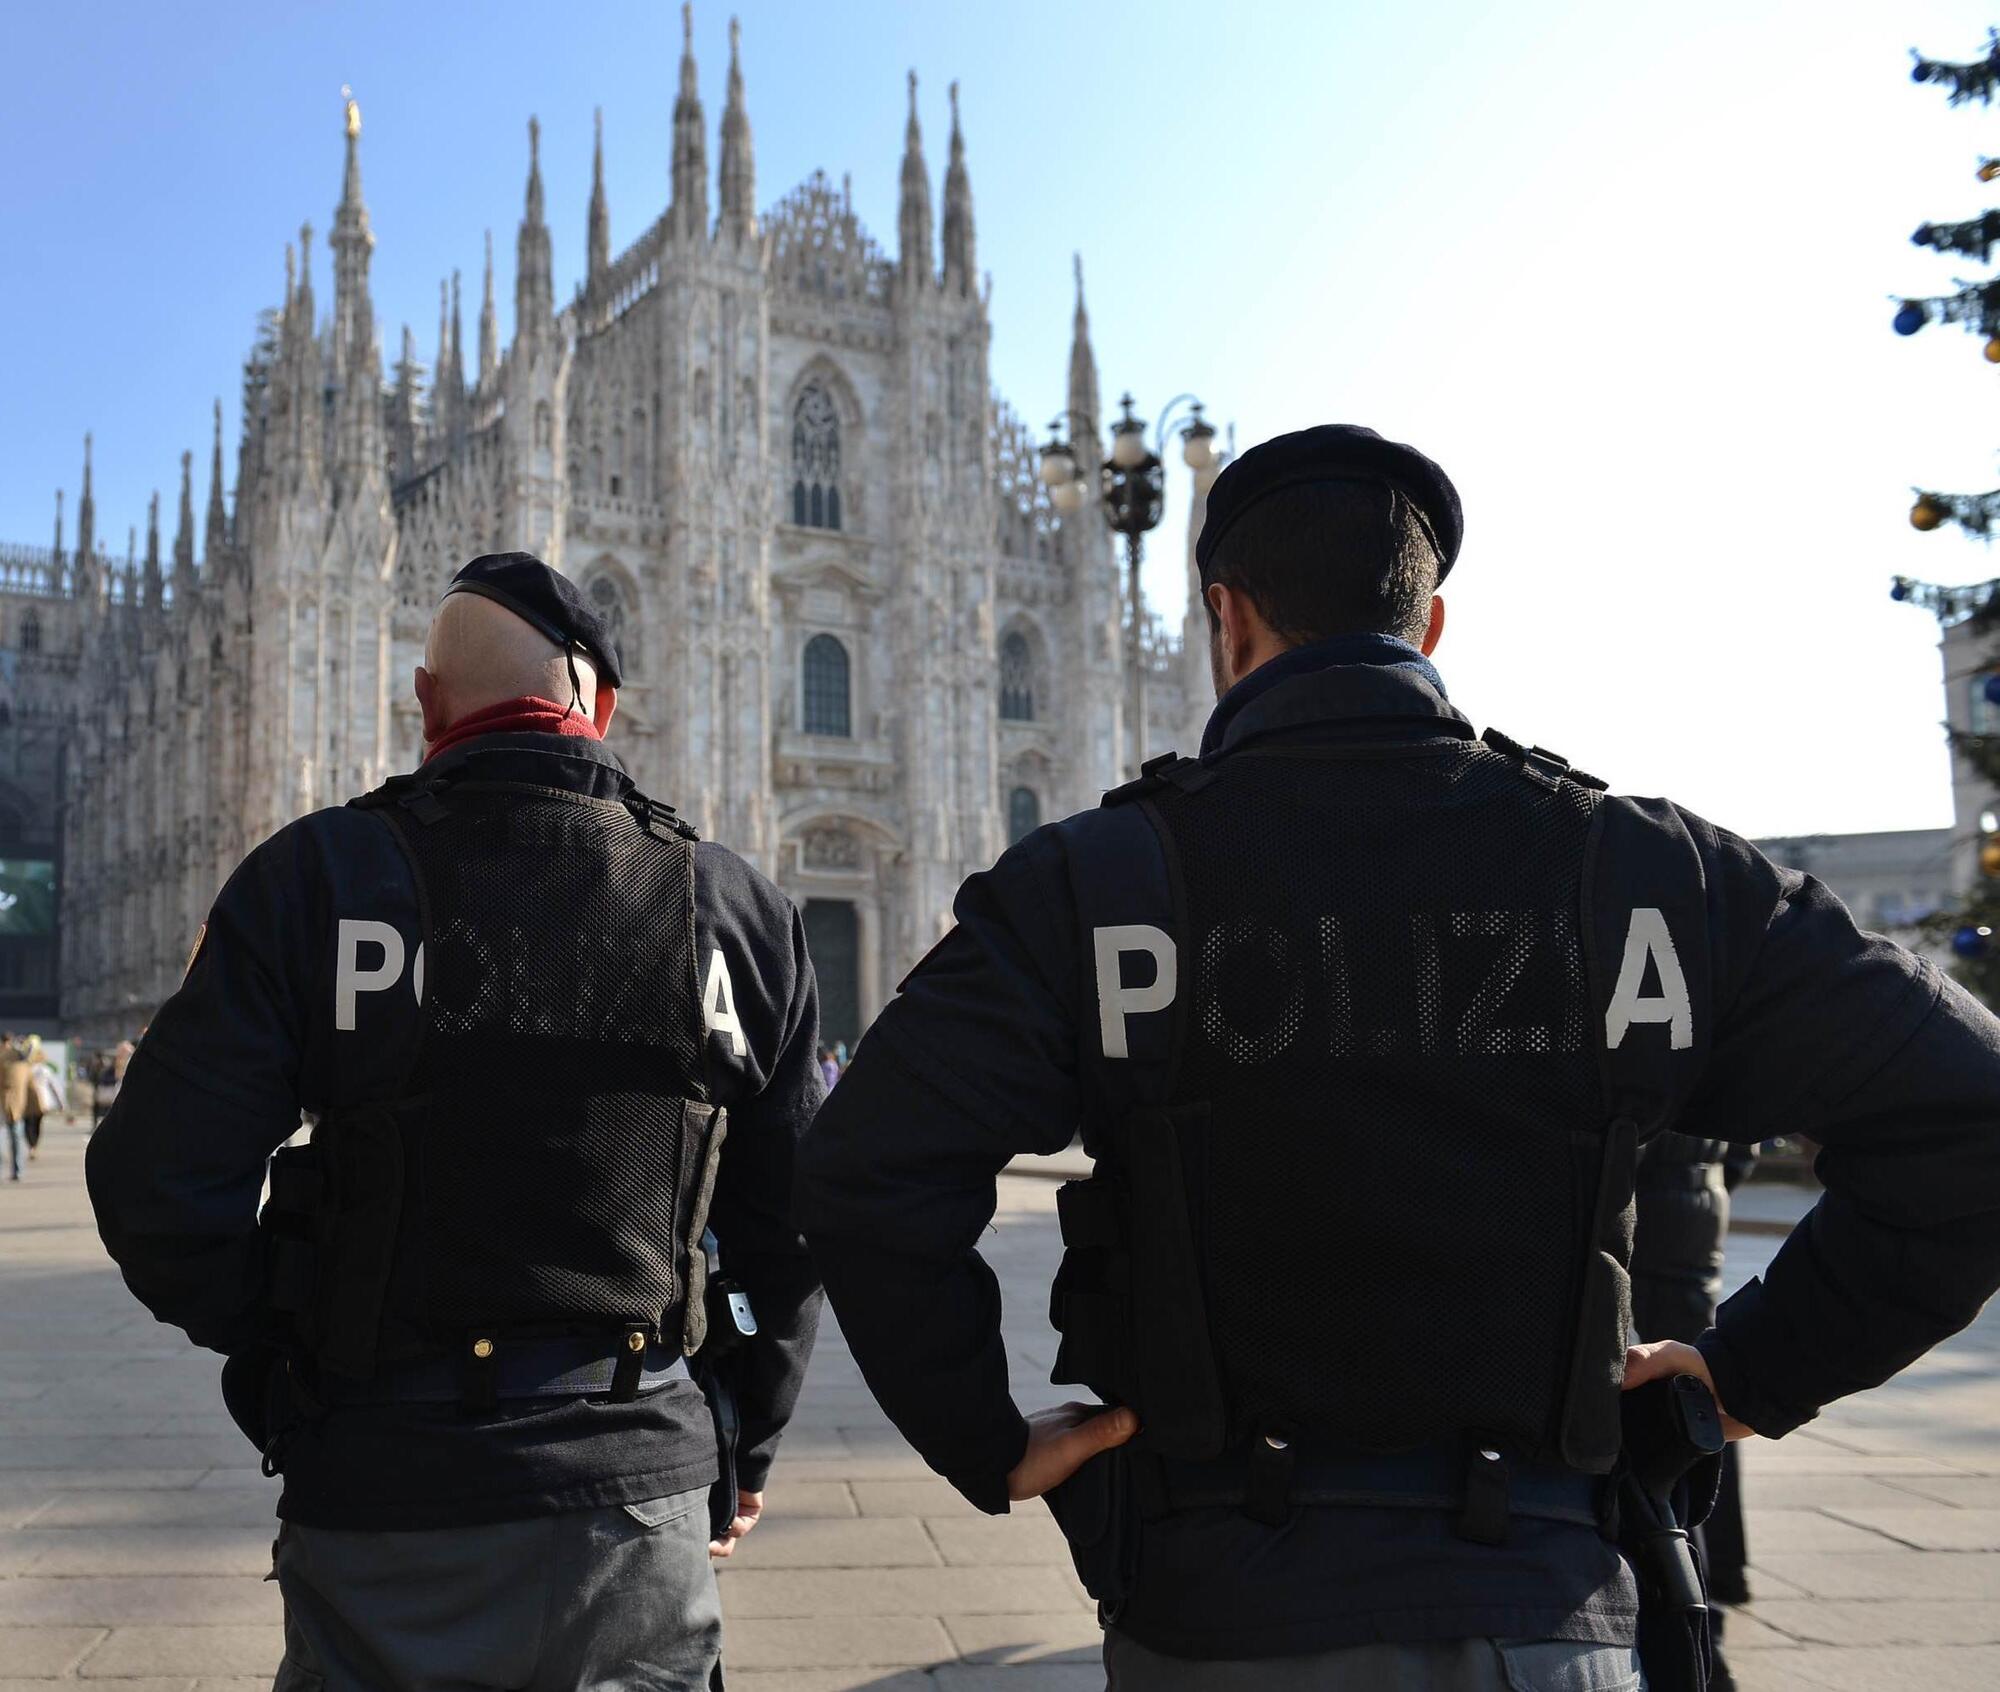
{"x":727,"y":1324}
{"x":1099,"y":1516}
{"x":1664,"y":1485}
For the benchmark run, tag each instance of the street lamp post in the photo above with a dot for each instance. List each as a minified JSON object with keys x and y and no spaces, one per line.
{"x":1132,"y":494}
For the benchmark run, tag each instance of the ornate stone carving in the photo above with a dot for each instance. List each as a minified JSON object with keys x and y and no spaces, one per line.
{"x":827,"y":847}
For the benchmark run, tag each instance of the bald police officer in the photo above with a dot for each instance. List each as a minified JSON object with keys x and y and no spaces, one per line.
{"x":553,"y":1050}
{"x":1364,"y":1017}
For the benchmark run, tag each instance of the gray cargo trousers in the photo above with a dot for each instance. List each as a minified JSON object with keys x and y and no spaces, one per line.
{"x":616,"y":1599}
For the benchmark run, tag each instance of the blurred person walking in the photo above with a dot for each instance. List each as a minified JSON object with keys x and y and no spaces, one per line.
{"x":16,"y":1077}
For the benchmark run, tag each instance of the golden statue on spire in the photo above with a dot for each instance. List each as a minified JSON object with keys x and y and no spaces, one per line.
{"x":353,"y":112}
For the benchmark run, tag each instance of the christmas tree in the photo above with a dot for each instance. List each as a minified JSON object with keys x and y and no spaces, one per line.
{"x":1972,"y":929}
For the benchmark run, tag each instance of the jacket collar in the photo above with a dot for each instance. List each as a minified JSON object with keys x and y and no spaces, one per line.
{"x":553,"y":760}
{"x":1337,"y":700}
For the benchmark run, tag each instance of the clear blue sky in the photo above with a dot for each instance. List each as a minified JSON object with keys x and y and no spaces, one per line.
{"x":1625,"y":270}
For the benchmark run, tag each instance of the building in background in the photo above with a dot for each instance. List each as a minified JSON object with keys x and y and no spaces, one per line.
{"x":859,"y":645}
{"x":1890,"y":880}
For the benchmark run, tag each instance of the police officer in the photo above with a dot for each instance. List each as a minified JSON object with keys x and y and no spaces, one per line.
{"x":1363,"y":1017}
{"x":548,"y":1042}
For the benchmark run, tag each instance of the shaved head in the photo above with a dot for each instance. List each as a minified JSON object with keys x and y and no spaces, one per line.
{"x":479,"y":654}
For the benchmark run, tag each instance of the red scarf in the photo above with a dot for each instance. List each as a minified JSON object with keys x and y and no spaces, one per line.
{"x":526,"y":715}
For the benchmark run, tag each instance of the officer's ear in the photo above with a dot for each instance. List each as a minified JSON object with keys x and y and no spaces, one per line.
{"x":602,"y":707}
{"x":1435,"y":632}
{"x":430,"y":699}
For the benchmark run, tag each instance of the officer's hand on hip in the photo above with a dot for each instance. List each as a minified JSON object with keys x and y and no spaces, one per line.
{"x":749,"y":1506}
{"x":1061,"y":1441}
{"x":1658,"y":1359}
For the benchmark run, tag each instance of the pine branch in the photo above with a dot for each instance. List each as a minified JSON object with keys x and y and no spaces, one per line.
{"x":1976,"y":305}
{"x":1974,"y":238}
{"x":1981,"y":752}
{"x":1977,"y":80}
{"x":1951,"y":604}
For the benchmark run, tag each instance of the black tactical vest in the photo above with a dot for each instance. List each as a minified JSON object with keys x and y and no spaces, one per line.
{"x":1388,"y":1201}
{"x":547,"y":1167}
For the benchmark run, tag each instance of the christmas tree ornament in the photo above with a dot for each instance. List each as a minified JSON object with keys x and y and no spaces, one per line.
{"x":1991,"y":688}
{"x":1989,"y":858}
{"x":1989,"y":169}
{"x":1909,"y":319}
{"x":1899,"y":589}
{"x":1970,"y":942}
{"x":1993,"y":350}
{"x":1926,"y":514}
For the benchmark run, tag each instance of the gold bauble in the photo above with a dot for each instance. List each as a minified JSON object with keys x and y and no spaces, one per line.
{"x":1989,"y":858}
{"x":1993,"y":350}
{"x":1926,"y":514}
{"x":1989,"y":169}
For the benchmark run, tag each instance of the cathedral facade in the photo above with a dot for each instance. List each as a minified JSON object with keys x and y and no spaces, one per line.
{"x":859,"y":646}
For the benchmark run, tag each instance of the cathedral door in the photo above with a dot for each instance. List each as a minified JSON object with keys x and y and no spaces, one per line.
{"x":833,"y":939}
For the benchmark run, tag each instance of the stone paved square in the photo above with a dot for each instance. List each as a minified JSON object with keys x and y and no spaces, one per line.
{"x":134,"y":1525}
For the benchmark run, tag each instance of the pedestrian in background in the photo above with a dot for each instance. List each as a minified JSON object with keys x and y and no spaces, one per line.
{"x":1682,"y":1191}
{"x":44,"y":1094}
{"x":829,"y":1068}
{"x":14,"y":1079}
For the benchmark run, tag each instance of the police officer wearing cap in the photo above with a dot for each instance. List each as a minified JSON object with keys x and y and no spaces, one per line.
{"x":522,"y":1320}
{"x":1364,"y":1017}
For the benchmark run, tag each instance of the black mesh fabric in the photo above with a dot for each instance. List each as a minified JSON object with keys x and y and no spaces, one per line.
{"x":547,"y":1176}
{"x":1388,"y":1020}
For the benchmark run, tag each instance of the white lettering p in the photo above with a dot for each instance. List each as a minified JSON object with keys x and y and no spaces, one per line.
{"x":350,"y":979}
{"x":1115,"y":1001}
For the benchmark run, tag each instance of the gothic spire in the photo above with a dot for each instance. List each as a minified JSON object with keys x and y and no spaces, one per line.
{"x":454,"y":376}
{"x":403,"y":436}
{"x":357,"y":360}
{"x":690,"y":207}
{"x":155,"y":588}
{"x":184,"y":536}
{"x":56,"y":556}
{"x":86,"y":510}
{"x":217,"y":536}
{"x":352,"y":243}
{"x":913,"y":219}
{"x":489,"y":328}
{"x":534,"y":266}
{"x":1082,"y":371}
{"x":739,"y":164}
{"x":308,"y":419}
{"x":958,"y":263}
{"x":600,"y":211}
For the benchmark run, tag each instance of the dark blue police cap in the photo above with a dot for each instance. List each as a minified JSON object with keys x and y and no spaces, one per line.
{"x":547,"y":600}
{"x":1334,"y":452}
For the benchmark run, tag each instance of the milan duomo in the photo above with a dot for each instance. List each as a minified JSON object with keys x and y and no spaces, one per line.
{"x":860,"y":647}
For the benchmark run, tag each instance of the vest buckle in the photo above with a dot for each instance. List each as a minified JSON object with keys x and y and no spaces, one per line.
{"x":1267,"y":1489}
{"x":1482,"y":1516}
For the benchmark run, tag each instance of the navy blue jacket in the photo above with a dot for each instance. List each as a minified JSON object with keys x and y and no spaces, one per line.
{"x":253,"y":1039}
{"x":1804,"y":1024}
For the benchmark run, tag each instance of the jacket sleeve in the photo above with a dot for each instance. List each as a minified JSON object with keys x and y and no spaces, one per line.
{"x":777,"y":1011}
{"x":972,"y":1064}
{"x":1853,"y":1041}
{"x":177,"y":1167}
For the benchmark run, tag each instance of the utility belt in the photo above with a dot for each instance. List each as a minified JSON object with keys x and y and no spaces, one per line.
{"x":581,"y":1366}
{"x":1481,"y":1489}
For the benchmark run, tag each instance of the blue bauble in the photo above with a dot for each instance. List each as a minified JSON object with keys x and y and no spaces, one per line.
{"x":1991,"y":688}
{"x":1899,"y":590}
{"x":1970,"y":942}
{"x":1908,"y":320}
